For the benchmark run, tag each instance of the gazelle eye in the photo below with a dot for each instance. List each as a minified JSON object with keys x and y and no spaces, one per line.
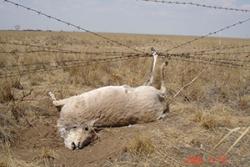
{"x":86,"y":128}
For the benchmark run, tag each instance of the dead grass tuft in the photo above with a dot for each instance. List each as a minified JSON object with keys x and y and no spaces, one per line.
{"x":208,"y":119}
{"x":140,"y":146}
{"x":244,"y":102}
{"x":6,"y":93}
{"x":47,"y":157}
{"x":47,"y":153}
{"x":8,"y":128}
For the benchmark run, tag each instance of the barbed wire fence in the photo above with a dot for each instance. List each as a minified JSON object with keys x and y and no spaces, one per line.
{"x":231,"y":63}
{"x":187,"y":57}
{"x":184,"y":57}
{"x":73,"y":63}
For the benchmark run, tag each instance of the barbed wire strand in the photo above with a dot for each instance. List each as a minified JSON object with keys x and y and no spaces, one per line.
{"x":209,"y":34}
{"x":244,"y":60}
{"x":86,"y":60}
{"x":199,"y":5}
{"x":220,"y":48}
{"x":28,"y":71}
{"x":54,"y":51}
{"x":204,"y":59}
{"x":47,"y":48}
{"x":217,"y":64}
{"x":72,"y":25}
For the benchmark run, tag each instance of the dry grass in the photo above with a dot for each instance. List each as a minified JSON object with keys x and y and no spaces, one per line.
{"x":8,"y":128}
{"x":6,"y":94}
{"x":140,"y":146}
{"x":8,"y":160}
{"x":244,"y":102}
{"x":6,"y":89}
{"x":47,"y":153}
{"x":47,"y":157}
{"x":213,"y":118}
{"x":218,"y":99}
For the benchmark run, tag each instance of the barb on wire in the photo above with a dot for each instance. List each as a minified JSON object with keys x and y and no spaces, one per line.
{"x":209,"y":34}
{"x":199,"y":5}
{"x":72,"y":25}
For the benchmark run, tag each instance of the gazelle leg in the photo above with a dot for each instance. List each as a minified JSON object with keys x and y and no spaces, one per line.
{"x":150,"y":80}
{"x":60,"y":103}
{"x":52,"y":96}
{"x":163,"y":86}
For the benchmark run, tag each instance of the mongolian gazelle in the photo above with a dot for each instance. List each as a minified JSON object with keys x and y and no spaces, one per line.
{"x":109,"y":106}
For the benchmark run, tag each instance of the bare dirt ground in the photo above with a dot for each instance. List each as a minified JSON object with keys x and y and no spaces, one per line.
{"x":217,"y":102}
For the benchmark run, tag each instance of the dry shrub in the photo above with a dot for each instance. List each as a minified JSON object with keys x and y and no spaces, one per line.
{"x":47,"y":157}
{"x":213,"y":118}
{"x":47,"y":153}
{"x":141,"y":146}
{"x":138,"y":152}
{"x":8,"y":128}
{"x":6,"y":93}
{"x":206,"y":120}
{"x":244,"y":102}
{"x":12,"y":119}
